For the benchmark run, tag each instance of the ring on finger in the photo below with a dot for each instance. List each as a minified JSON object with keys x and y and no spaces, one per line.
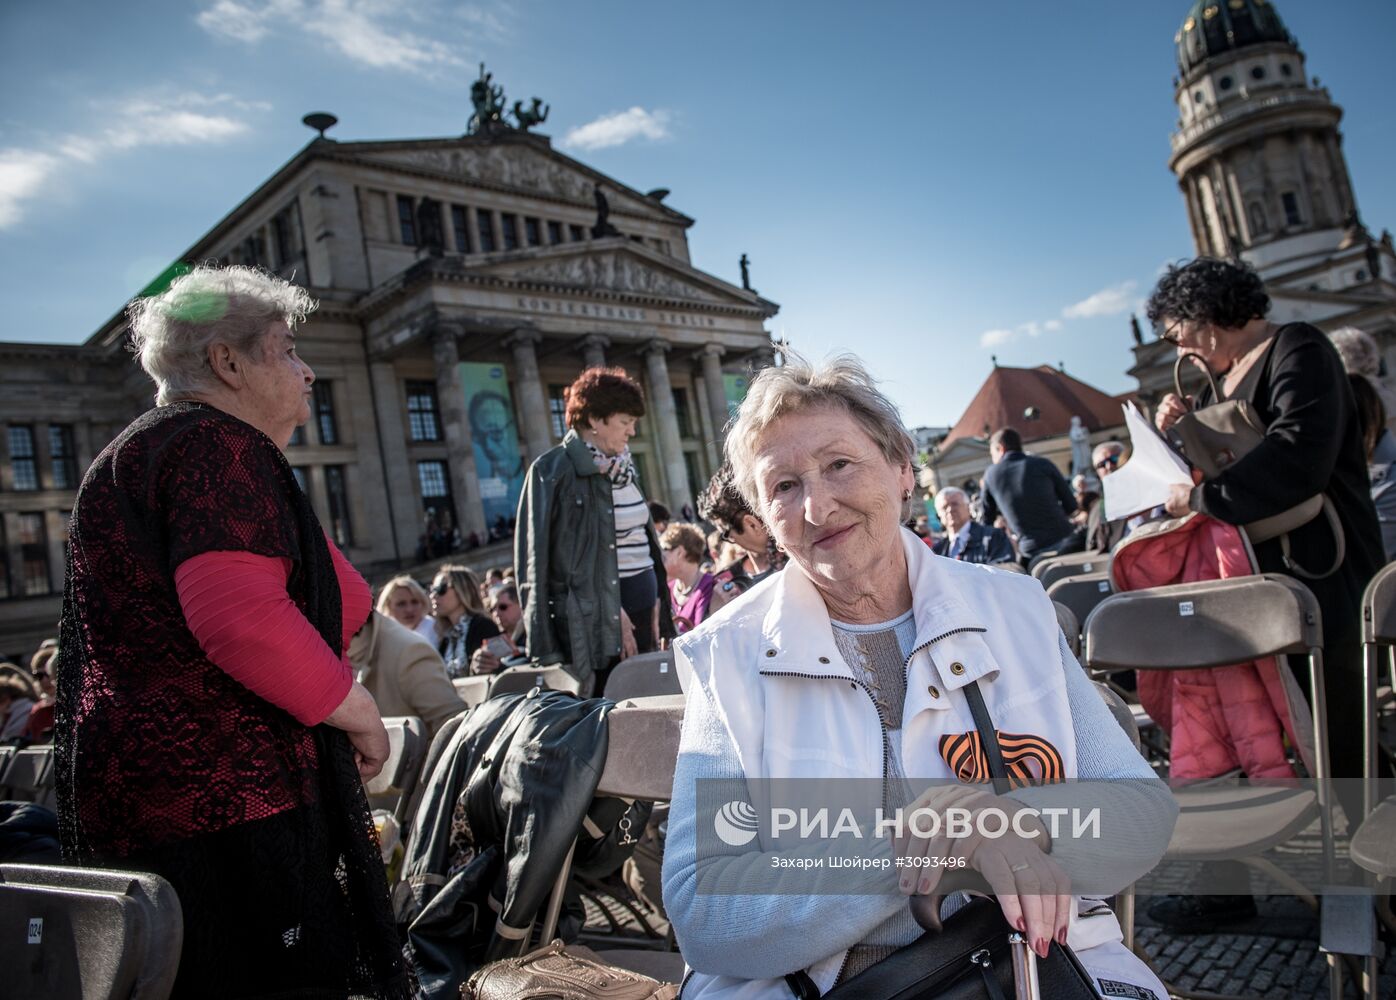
{"x":1020,"y":868}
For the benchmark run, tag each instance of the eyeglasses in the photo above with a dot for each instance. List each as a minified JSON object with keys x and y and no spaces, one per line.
{"x":40,"y":675}
{"x":1108,"y":463}
{"x":439,"y":589}
{"x":1172,"y":334}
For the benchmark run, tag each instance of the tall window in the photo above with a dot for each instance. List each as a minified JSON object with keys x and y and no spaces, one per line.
{"x":681,"y":412}
{"x":577,"y":233}
{"x":23,"y":467}
{"x":436,"y":492}
{"x":690,"y":466}
{"x":1259,"y":224}
{"x":557,"y":410}
{"x":338,"y":495}
{"x":533,"y":232}
{"x":407,"y":220}
{"x":253,"y":250}
{"x":423,"y":418}
{"x":33,"y":554}
{"x":65,"y":462}
{"x":460,"y":224}
{"x":298,"y":437}
{"x":484,"y":225}
{"x":299,"y":473}
{"x":1291,"y":206}
{"x":554,"y":232}
{"x":283,"y":236}
{"x":324,"y":412}
{"x":509,"y":225}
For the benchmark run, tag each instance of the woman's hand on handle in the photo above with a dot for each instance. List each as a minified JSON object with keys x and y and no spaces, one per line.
{"x":1032,"y":890}
{"x":358,"y":716}
{"x":1170,"y":409}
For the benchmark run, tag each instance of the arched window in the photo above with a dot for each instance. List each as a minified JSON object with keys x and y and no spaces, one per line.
{"x":1291,"y":204}
{"x":1259,"y":225}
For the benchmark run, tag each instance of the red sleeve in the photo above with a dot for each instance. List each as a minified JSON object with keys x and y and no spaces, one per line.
{"x":355,"y":597}
{"x":237,"y":606}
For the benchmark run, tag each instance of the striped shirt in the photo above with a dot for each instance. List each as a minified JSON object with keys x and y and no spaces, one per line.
{"x":632,"y":540}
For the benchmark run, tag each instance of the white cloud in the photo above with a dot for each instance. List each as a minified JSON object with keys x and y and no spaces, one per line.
{"x":22,"y":174}
{"x":1032,"y":328}
{"x":993,"y":338}
{"x":619,"y":128}
{"x":369,"y":32}
{"x":1107,"y":302}
{"x":185,"y":120}
{"x":1052,"y":325}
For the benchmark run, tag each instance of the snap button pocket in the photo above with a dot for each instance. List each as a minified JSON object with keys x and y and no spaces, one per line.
{"x":957,"y":668}
{"x":935,"y":691}
{"x":770,"y":652}
{"x":823,"y":659}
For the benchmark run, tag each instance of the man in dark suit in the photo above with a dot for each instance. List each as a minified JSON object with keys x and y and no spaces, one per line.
{"x":965,"y":540}
{"x":1031,"y":493}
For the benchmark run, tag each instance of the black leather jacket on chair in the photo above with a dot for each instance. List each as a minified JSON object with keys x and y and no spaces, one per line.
{"x":506,"y":789}
{"x":565,"y":559}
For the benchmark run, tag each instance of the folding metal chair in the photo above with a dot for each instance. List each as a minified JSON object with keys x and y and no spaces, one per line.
{"x":643,"y":748}
{"x":87,"y":932}
{"x":644,"y":676}
{"x":1082,"y":592}
{"x":1214,"y":624}
{"x":392,"y":787}
{"x":1055,"y":568}
{"x":1070,"y":626}
{"x":1124,"y":900}
{"x":27,"y":773}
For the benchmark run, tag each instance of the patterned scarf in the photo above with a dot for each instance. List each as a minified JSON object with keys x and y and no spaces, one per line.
{"x":619,"y":469}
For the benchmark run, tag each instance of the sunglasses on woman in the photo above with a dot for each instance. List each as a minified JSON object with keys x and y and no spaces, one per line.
{"x":439,"y":589}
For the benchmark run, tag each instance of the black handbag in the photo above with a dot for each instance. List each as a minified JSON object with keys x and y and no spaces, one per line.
{"x":976,"y":955}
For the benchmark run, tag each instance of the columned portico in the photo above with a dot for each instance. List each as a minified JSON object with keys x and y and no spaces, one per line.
{"x":594,"y":350}
{"x":717,"y":395}
{"x":465,"y":486}
{"x":388,"y":412}
{"x":533,"y":400}
{"x":666,"y":421}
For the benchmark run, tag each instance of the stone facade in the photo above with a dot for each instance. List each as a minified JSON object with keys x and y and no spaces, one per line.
{"x":423,"y":254}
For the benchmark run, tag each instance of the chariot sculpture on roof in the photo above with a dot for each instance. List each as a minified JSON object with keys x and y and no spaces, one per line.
{"x":487,"y":97}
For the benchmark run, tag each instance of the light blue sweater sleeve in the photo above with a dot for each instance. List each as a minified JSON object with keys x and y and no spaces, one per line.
{"x":721,"y":931}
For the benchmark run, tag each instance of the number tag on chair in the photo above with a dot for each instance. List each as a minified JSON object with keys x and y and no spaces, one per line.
{"x":1185,"y":609}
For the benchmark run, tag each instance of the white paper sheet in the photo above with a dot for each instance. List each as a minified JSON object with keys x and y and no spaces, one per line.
{"x":1143,"y":482}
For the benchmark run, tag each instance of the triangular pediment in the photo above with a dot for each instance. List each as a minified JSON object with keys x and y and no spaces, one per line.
{"x":962,"y":449}
{"x":619,"y":266}
{"x":523,"y":166}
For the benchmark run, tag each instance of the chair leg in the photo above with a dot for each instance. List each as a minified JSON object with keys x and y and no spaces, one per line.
{"x":1268,"y":868}
{"x":550,"y":916}
{"x":1125,"y":903}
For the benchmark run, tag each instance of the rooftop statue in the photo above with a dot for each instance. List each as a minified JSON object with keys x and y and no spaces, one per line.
{"x":488,"y":99}
{"x":536,"y":115}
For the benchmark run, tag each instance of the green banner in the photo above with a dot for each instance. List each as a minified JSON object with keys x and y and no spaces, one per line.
{"x":499,"y":465}
{"x":734,"y":387}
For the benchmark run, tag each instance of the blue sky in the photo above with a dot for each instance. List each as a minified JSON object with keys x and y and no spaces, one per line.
{"x":923,"y":183}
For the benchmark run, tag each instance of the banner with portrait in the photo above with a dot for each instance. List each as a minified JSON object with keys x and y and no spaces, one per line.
{"x":499,"y":464}
{"x":734,"y":388}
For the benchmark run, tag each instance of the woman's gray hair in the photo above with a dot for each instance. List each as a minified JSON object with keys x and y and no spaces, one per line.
{"x":796,"y":386}
{"x":1358,"y":350}
{"x":172,"y":332}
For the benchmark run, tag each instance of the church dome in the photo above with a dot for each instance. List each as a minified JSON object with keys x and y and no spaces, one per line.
{"x":1216,"y":27}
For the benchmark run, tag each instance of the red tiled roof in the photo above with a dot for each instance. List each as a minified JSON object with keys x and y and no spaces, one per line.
{"x":1058,"y":397}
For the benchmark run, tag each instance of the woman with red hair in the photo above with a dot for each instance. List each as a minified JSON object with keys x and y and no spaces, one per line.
{"x":589,"y":566}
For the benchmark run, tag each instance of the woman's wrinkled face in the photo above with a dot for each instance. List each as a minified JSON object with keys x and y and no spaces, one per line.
{"x":406,"y":608}
{"x":675,"y":559}
{"x":614,"y":433}
{"x":830,"y":497}
{"x":276,"y":384}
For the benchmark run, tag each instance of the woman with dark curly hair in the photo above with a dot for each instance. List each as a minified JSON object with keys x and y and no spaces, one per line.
{"x":1313,"y":444}
{"x":589,"y":566}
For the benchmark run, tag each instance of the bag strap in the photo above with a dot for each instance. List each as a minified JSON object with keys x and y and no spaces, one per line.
{"x":1339,"y":543}
{"x":1201,"y":363}
{"x":802,"y":985}
{"x":988,"y":737}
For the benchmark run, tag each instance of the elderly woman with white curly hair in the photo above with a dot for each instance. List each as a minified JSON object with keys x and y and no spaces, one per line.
{"x":208,"y":726}
{"x":871,"y":658}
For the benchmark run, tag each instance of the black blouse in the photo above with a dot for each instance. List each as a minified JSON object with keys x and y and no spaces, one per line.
{"x":1312,"y":444}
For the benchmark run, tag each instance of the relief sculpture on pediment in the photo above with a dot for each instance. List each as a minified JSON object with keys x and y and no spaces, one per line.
{"x":611,"y":272}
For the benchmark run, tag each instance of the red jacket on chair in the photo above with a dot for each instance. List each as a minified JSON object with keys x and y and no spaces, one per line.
{"x":1219,"y":718}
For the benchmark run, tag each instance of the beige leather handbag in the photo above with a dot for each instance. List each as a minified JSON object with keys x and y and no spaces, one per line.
{"x":555,"y":972}
{"x":1215,"y":437}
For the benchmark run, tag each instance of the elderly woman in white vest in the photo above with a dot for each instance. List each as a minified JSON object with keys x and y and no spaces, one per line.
{"x":859,"y":661}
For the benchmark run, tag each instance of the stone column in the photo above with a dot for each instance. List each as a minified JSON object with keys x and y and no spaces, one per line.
{"x":716,"y":391}
{"x":594,"y":350}
{"x":667,"y":424}
{"x":398,"y":474}
{"x":465,"y":484}
{"x":533,"y":399}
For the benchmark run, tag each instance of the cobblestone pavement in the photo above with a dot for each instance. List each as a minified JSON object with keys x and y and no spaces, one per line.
{"x":1274,"y":955}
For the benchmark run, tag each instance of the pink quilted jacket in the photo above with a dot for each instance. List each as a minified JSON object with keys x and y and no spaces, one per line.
{"x":1221,"y":718}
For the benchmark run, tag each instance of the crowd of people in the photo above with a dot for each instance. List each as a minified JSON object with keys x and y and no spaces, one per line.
{"x":216,"y":691}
